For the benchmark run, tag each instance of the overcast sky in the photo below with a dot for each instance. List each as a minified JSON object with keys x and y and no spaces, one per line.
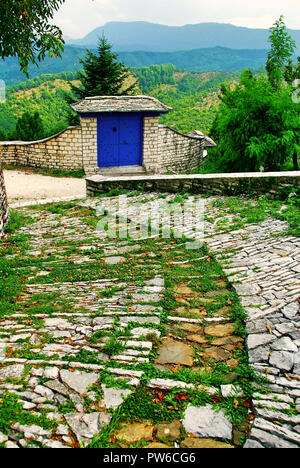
{"x":79,"y":17}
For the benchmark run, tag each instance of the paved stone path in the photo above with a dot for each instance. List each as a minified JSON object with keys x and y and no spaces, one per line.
{"x":45,"y":353}
{"x":265,"y":271}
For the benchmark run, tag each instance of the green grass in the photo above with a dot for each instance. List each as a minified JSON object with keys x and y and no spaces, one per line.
{"x":205,"y":278}
{"x":247,"y":211}
{"x":11,"y":412}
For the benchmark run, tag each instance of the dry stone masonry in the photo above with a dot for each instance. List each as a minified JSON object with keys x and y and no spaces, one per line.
{"x":166,"y":149}
{"x":3,"y":203}
{"x":62,"y":151}
{"x":78,"y":148}
{"x":272,"y":183}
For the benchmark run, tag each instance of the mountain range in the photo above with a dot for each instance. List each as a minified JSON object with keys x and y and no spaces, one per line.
{"x":198,"y":60}
{"x":141,"y":35}
{"x":197,"y":47}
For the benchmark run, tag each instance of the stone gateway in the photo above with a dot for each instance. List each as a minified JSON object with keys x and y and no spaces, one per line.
{"x":117,"y":135}
{"x":123,"y":133}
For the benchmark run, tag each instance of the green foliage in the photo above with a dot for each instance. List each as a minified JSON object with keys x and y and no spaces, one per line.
{"x":45,"y":95}
{"x":26,"y":30}
{"x":103,"y":74}
{"x":30,"y":127}
{"x":257,"y":126}
{"x":15,"y":222}
{"x":39,"y":80}
{"x":11,"y":411}
{"x":194,"y":100}
{"x":282,"y":48}
{"x":153,"y":76}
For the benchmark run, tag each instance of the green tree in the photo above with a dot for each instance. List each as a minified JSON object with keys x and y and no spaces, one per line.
{"x":256,"y":126}
{"x":258,"y":123}
{"x":103,"y":74}
{"x":282,"y":48}
{"x":291,"y":72}
{"x":26,"y":32}
{"x":29,"y":127}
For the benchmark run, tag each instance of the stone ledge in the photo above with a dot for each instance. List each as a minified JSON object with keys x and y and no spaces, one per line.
{"x":235,"y":175}
{"x":269,"y":183}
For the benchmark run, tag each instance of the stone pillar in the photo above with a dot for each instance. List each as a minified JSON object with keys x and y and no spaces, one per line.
{"x":89,"y":145}
{"x":151,"y":159}
{"x":3,"y":203}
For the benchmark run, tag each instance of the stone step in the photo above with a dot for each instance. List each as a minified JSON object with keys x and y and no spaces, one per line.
{"x":121,"y":170}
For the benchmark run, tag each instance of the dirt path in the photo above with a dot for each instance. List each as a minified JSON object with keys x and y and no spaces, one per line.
{"x":22,"y":186}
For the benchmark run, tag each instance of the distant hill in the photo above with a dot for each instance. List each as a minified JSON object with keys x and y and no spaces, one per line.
{"x":11,"y":74}
{"x":199,"y":60}
{"x":140,"y":35}
{"x":193,"y":97}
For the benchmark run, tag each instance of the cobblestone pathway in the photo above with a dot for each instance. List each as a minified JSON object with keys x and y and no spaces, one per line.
{"x":265,"y":271}
{"x":142,"y":343}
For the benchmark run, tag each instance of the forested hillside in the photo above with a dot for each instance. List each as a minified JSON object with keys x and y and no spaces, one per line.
{"x":46,"y":95}
{"x":193,"y":97}
{"x":198,"y":60}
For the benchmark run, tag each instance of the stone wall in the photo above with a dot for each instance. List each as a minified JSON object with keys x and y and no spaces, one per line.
{"x":3,"y":203}
{"x":166,"y":149}
{"x":151,"y":162}
{"x":178,"y":152}
{"x":273,"y":184}
{"x":75,"y":149}
{"x":89,"y":145}
{"x":62,"y":151}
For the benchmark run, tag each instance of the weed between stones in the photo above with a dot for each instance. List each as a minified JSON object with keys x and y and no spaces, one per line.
{"x":94,"y":325}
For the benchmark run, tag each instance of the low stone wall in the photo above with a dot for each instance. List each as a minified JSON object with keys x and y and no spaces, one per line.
{"x":178,"y":152}
{"x":165,"y":149}
{"x":62,"y":151}
{"x":76,"y":149}
{"x":3,"y":204}
{"x":273,"y":184}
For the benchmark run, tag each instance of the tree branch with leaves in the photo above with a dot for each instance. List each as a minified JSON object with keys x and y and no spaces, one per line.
{"x":26,"y":31}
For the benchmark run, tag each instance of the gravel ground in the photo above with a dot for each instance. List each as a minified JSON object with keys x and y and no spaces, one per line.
{"x":23,"y":186}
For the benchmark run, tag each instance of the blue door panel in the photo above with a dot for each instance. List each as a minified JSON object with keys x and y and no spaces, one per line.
{"x":119,"y":140}
{"x":108,"y":141}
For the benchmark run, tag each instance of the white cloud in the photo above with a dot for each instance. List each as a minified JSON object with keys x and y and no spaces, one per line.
{"x":79,"y":17}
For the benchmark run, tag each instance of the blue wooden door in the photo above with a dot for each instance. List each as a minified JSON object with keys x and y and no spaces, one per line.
{"x":119,"y":140}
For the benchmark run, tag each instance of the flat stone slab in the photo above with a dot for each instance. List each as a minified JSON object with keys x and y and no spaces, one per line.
{"x":219,"y":331}
{"x":206,"y":422}
{"x":114,"y":397}
{"x":135,"y":432}
{"x":11,"y":372}
{"x":170,"y":431}
{"x":114,"y":260}
{"x":85,"y":426}
{"x":204,"y":443}
{"x":78,"y":381}
{"x":174,"y":352}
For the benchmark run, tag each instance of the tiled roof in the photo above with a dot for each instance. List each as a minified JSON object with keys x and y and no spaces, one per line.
{"x":97,"y":104}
